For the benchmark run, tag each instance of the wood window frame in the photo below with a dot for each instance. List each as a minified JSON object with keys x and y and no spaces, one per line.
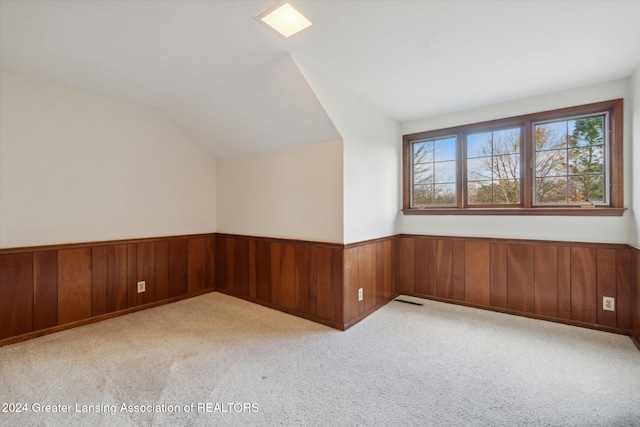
{"x":526,"y":207}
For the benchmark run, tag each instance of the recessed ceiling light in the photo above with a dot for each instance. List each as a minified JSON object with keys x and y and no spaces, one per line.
{"x":284,"y":18}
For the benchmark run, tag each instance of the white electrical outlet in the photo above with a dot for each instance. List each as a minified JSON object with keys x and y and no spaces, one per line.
{"x":360,"y":295}
{"x":609,"y":303}
{"x":142,"y":286}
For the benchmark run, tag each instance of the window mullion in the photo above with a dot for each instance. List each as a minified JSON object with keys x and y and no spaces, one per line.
{"x":461,"y":179}
{"x":527,"y":171}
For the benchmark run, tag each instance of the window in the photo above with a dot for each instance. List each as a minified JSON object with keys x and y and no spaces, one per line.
{"x":493,"y":167}
{"x":434,"y":172}
{"x":570,"y":161}
{"x":551,"y":163}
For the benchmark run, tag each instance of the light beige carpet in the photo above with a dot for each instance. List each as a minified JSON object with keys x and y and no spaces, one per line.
{"x":218,"y":360}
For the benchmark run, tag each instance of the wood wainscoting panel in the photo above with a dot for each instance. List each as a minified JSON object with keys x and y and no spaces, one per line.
{"x":520,"y":277}
{"x":178,"y":279}
{"x":379,"y":276}
{"x":45,"y":288}
{"x":211,"y":263}
{"x":499,"y":294}
{"x":605,"y":285}
{"x":583,"y":284}
{"x":351,"y":283}
{"x":263,"y":271}
{"x":383,"y":270}
{"x":287,"y":291}
{"x":457,"y":265}
{"x":324,"y":286}
{"x":74,"y":285}
{"x":564,"y":282}
{"x":276,"y":248}
{"x":161,"y":269}
{"x":546,"y":280}
{"x":305,"y":281}
{"x":242,"y":285}
{"x":366,"y":278}
{"x":132,"y":262}
{"x":252,"y":269}
{"x":432,"y":262}
{"x":624,"y":288}
{"x":16,"y":294}
{"x":421,"y":279}
{"x":406,"y":266}
{"x":99,"y":280}
{"x":444,"y":268}
{"x":337,"y":286}
{"x":477,"y":272}
{"x":116,"y":277}
{"x":197,"y":264}
{"x":389,"y":270}
{"x":224,"y":264}
{"x":145,"y":271}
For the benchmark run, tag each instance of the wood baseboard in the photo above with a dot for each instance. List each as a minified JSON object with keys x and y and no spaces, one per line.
{"x":569,"y":322}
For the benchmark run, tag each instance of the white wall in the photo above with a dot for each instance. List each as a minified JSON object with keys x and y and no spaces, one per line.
{"x":585,"y":229}
{"x":75,"y":167}
{"x":634,"y":229}
{"x":371,"y":161}
{"x":294,"y":193}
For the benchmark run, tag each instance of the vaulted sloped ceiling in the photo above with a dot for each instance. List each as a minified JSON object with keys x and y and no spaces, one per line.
{"x":232,"y":85}
{"x":269,"y":108}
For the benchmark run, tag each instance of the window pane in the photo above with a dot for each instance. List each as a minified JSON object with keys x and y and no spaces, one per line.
{"x":423,"y":173}
{"x":479,"y":145}
{"x":586,"y":188}
{"x":422,"y":194}
{"x":551,"y":135}
{"x":586,"y":160}
{"x":445,"y":172}
{"x":434,"y":162}
{"x":422,"y":152}
{"x":551,"y":190}
{"x":586,"y":131}
{"x":506,"y":191}
{"x":445,"y":149}
{"x":506,"y":167}
{"x":551,"y":163}
{"x":445,"y":194}
{"x":506,"y":141}
{"x":479,"y":169}
{"x":479,"y":193}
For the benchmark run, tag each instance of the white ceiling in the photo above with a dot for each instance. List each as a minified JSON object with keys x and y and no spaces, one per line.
{"x":234,"y":87}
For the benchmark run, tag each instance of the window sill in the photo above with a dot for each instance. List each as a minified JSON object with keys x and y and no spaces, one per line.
{"x":519,"y":211}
